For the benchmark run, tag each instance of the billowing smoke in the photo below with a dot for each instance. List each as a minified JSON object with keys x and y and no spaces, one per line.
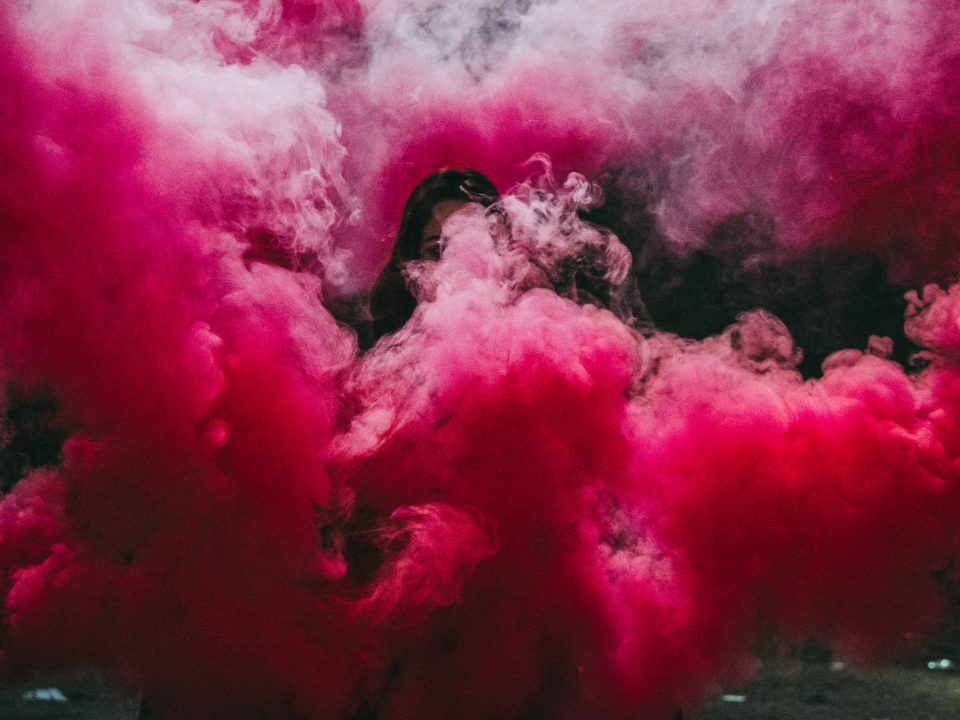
{"x":690,"y":384}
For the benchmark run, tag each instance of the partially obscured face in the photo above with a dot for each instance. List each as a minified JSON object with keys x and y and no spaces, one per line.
{"x":430,"y":241}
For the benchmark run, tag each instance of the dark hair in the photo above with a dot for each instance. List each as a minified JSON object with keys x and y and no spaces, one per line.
{"x":391,"y":302}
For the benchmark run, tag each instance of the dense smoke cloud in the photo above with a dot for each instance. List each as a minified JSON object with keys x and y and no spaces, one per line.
{"x":646,"y":415}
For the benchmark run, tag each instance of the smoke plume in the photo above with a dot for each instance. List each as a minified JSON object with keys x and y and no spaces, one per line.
{"x":689,"y":385}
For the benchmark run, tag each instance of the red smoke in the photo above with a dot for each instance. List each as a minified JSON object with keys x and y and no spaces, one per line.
{"x":517,"y":506}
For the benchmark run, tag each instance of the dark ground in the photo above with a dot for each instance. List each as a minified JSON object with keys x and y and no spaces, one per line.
{"x":806,"y":691}
{"x":784,"y":689}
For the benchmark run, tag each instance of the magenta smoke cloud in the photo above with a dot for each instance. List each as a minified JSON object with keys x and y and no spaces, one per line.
{"x":534,"y":500}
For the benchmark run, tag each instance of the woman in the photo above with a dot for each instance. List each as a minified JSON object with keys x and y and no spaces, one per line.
{"x":437,"y":197}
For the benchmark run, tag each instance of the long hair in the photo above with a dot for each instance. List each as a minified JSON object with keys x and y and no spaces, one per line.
{"x":391,"y":302}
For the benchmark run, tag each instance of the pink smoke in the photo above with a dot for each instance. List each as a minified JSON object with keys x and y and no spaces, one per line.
{"x":517,"y":505}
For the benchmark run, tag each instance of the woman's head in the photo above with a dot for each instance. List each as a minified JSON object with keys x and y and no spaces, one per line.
{"x":419,"y":237}
{"x":432,"y":201}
